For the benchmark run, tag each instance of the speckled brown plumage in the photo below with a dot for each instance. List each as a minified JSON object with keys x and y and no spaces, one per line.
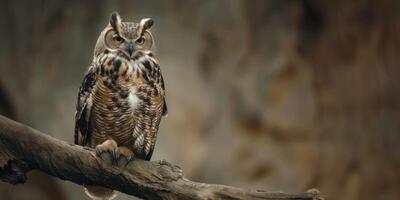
{"x":122,"y":98}
{"x":104,"y":110}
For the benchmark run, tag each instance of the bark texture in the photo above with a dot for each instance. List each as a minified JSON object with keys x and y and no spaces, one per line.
{"x":23,"y":149}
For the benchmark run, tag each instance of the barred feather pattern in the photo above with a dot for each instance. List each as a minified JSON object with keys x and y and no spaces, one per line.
{"x":123,"y":99}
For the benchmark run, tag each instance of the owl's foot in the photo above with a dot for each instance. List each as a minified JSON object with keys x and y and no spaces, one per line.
{"x":126,"y":155}
{"x":108,"y":151}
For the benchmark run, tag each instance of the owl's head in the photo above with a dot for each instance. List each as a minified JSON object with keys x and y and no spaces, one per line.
{"x":126,"y":37}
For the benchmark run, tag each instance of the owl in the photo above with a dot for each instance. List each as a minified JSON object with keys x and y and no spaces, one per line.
{"x":122,"y":97}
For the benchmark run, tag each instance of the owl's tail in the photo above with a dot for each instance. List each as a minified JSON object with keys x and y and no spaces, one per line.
{"x":100,"y":193}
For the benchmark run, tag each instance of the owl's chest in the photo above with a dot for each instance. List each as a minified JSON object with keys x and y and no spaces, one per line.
{"x":125,"y":90}
{"x":113,"y":113}
{"x":117,"y":102}
{"x":116,"y":88}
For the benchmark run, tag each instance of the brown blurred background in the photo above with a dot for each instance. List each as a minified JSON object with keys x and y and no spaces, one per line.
{"x":275,"y":95}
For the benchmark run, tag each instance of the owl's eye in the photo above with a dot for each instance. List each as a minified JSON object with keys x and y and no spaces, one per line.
{"x":117,"y":39}
{"x":140,"y":41}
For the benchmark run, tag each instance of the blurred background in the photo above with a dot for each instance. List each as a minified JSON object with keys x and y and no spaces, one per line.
{"x":277,"y":95}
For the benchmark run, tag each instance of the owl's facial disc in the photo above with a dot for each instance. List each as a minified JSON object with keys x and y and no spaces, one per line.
{"x":128,"y":37}
{"x":114,"y":42}
{"x":142,"y":43}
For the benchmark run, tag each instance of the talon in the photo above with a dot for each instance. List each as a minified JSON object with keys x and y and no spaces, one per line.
{"x":126,"y":155}
{"x":99,"y":151}
{"x":111,"y":147}
{"x":130,"y":157}
{"x":115,"y":154}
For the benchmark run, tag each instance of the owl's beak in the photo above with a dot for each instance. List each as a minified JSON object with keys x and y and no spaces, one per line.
{"x":129,"y":48}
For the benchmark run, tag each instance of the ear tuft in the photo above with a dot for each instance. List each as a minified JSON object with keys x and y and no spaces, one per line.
{"x":146,"y":23}
{"x":115,"y":21}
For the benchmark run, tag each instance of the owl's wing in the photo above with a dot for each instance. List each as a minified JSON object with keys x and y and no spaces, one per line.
{"x":83,"y":108}
{"x":165,"y":108}
{"x":154,"y":121}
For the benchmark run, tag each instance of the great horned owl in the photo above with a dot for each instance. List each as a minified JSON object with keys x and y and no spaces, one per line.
{"x":122,"y":96}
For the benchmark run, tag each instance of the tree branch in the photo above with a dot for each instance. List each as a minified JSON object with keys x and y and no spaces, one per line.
{"x":23,"y":149}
